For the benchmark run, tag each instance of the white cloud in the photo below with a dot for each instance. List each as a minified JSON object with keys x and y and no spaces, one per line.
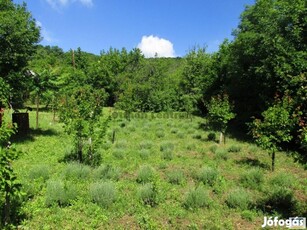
{"x":152,"y":45}
{"x":45,"y":33}
{"x":58,"y":4}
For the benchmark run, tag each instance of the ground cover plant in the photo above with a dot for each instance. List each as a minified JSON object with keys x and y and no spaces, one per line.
{"x":144,"y":190}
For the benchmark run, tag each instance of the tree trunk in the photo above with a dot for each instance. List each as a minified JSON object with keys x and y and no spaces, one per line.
{"x":273,"y":161}
{"x":37,"y":110}
{"x":7,"y":208}
{"x":80,"y":151}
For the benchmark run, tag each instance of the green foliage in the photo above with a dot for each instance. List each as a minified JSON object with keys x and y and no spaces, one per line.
{"x":221,"y":154}
{"x":10,"y":187}
{"x":107,"y":172}
{"x":207,"y":175}
{"x":234,"y":149}
{"x":81,"y":112}
{"x":238,"y":198}
{"x":166,"y":146}
{"x":252,"y":179}
{"x":211,"y":137}
{"x":148,"y":193}
{"x":220,"y":112}
{"x":197,"y":198}
{"x":145,"y":174}
{"x":275,"y":128}
{"x":18,"y":35}
{"x":144,"y":153}
{"x":60,"y":193}
{"x":39,"y":172}
{"x":77,"y":171}
{"x":103,"y":193}
{"x":176,"y":177}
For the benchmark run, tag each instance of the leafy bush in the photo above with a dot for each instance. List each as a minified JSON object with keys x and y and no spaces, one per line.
{"x":39,"y":171}
{"x":197,"y":198}
{"x":146,"y":144}
{"x":280,"y":199}
{"x":121,"y":144}
{"x":283,"y":180}
{"x":176,"y":177}
{"x":76,"y":171}
{"x":252,"y":179}
{"x":213,"y":148}
{"x":160,"y":133}
{"x":167,"y":155}
{"x":196,"y":136}
{"x":145,"y":174}
{"x":144,"y":153}
{"x":239,"y":199}
{"x":59,"y":193}
{"x":107,"y":172}
{"x":174,"y":131}
{"x":167,"y":146}
{"x":234,"y":149}
{"x":221,"y":154}
{"x":119,"y":153}
{"x":211,"y":137}
{"x":104,"y":193}
{"x":147,"y":193}
{"x":180,"y":135}
{"x":191,"y":146}
{"x":207,"y":175}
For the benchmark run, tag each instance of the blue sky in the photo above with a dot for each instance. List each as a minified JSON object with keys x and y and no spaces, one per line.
{"x":166,"y":27}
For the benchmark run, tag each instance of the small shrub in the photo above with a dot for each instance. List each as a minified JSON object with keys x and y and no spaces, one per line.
{"x":107,"y":172}
{"x":180,"y":135}
{"x":145,"y":174}
{"x":221,"y":154}
{"x":77,"y":171}
{"x":207,"y":175}
{"x":121,"y":144}
{"x":196,"y":136}
{"x":238,"y":199}
{"x":213,"y":148}
{"x":252,"y":179}
{"x":144,"y":153}
{"x":174,"y":131}
{"x":167,"y":155}
{"x":248,"y":215}
{"x":283,"y":180}
{"x":147,"y":193}
{"x":104,"y":194}
{"x":59,"y":193}
{"x":211,"y":137}
{"x":280,"y":199}
{"x":234,"y":149}
{"x":119,"y":153}
{"x":175,"y":177}
{"x":106,"y":145}
{"x":146,"y":144}
{"x":191,"y":147}
{"x":39,"y":171}
{"x":167,"y":146}
{"x":197,"y":198}
{"x":160,"y":133}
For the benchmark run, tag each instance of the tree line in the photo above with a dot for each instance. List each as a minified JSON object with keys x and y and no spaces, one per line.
{"x":261,"y":72}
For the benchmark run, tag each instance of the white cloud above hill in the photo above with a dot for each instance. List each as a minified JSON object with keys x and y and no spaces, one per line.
{"x":153,"y":45}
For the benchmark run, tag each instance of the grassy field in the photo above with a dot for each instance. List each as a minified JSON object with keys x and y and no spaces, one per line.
{"x":158,"y":174}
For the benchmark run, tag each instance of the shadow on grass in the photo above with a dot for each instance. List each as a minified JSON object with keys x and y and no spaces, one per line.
{"x":30,"y":136}
{"x":253,"y":163}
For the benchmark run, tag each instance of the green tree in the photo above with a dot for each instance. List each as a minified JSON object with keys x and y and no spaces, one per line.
{"x":219,"y":114}
{"x":81,"y":112}
{"x":275,"y":127}
{"x":10,"y":187}
{"x":18,"y":35}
